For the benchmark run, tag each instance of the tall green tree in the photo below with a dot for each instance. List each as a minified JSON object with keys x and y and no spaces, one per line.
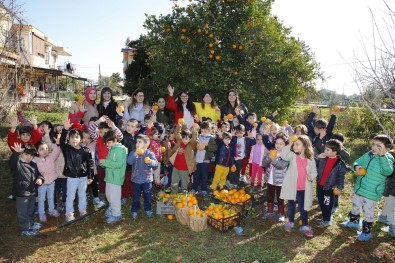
{"x":216,"y":45}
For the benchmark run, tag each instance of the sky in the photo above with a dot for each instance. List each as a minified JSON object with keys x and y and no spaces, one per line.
{"x":96,"y":31}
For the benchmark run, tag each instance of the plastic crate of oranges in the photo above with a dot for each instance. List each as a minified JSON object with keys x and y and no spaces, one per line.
{"x":222,"y":217}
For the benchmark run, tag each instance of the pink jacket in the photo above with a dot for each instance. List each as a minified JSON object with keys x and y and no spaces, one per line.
{"x":263,"y":154}
{"x":47,"y":167}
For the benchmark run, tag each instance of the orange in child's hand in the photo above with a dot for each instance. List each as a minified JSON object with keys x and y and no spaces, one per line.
{"x":170,"y":217}
{"x":181,"y":121}
{"x":140,"y":151}
{"x":294,"y":138}
{"x":155,"y":107}
{"x":300,"y":222}
{"x":336,"y":108}
{"x":163,"y":149}
{"x":81,"y":101}
{"x":362,"y":171}
{"x":229,"y":116}
{"x":336,"y":191}
{"x":195,"y":125}
{"x":263,"y":119}
{"x":254,"y":125}
{"x":147,"y":160}
{"x":120,"y":108}
{"x":233,"y":169}
{"x":273,"y":153}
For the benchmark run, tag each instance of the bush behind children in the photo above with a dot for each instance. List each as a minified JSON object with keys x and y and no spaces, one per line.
{"x":128,"y":160}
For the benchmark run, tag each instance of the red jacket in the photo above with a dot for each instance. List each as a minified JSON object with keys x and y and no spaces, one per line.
{"x":155,"y":147}
{"x":13,"y":137}
{"x":101,"y":147}
{"x":173,"y":106}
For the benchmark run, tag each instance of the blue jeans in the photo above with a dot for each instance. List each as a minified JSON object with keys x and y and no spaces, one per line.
{"x":46,"y":190}
{"x":76,"y":185}
{"x":201,"y":173}
{"x":146,"y":188}
{"x":292,"y":208}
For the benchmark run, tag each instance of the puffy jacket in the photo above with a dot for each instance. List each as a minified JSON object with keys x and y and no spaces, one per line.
{"x":225,"y":155}
{"x":115,"y":164}
{"x":372,"y":185}
{"x":26,"y":175}
{"x":142,"y":172}
{"x":336,"y":176}
{"x":390,"y":182}
{"x":78,"y":162}
{"x":319,"y":144}
{"x":278,"y":168}
{"x":12,"y":138}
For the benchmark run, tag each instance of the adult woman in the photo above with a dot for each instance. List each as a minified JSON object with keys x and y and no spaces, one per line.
{"x":137,"y":107}
{"x":163,"y":115}
{"x":183,"y":108}
{"x":207,"y":108}
{"x":232,"y":104}
{"x":107,"y":106}
{"x":87,"y":109}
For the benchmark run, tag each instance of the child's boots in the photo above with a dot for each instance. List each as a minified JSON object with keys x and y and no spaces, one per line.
{"x":269,"y":214}
{"x":352,"y":222}
{"x":366,"y":234}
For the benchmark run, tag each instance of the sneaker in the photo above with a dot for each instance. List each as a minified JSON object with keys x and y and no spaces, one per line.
{"x":54,"y":213}
{"x":243,"y":179}
{"x":124,"y":201}
{"x":382,"y":219}
{"x":324,"y":224}
{"x":281,"y":218}
{"x":364,"y":236}
{"x":306,"y":230}
{"x":108,"y":212}
{"x":70,"y":217}
{"x":350,"y":224}
{"x":36,"y":226}
{"x":391,"y":231}
{"x":82,"y":213}
{"x":43,"y":218}
{"x":334,"y":209}
{"x":29,"y":233}
{"x":268,"y":216}
{"x":149,"y":214}
{"x":101,"y":204}
{"x":289,"y":226}
{"x":135,"y":215}
{"x":228,"y":184}
{"x":113,"y":219}
{"x":204,"y":193}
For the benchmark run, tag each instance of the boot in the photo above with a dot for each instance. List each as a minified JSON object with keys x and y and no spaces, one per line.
{"x":352,"y":222}
{"x":281,"y":212}
{"x":269,"y":214}
{"x":365,"y":235}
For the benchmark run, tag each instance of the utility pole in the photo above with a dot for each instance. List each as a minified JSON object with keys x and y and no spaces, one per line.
{"x":99,"y":73}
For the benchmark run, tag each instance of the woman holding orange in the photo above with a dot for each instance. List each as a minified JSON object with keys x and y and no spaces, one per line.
{"x":207,"y":108}
{"x":184,"y":109}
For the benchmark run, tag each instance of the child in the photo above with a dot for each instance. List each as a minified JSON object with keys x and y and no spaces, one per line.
{"x":331,"y":172}
{"x":156,"y":147}
{"x":387,"y":215}
{"x":372,"y":169}
{"x":169,"y":143}
{"x":182,"y":156}
{"x":115,"y":165}
{"x":91,"y":145}
{"x":258,"y":151}
{"x":205,"y":151}
{"x":297,"y":185}
{"x":26,"y":178}
{"x":276,"y":168}
{"x":268,"y":139}
{"x":27,"y":134}
{"x":242,"y":147}
{"x":78,"y":169}
{"x":248,"y":122}
{"x":320,"y":131}
{"x":300,"y":129}
{"x":129,"y":141}
{"x":224,"y":159}
{"x":103,"y":125}
{"x":46,"y":166}
{"x":142,"y":175}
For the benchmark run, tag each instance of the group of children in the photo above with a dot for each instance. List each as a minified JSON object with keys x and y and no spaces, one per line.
{"x":130,"y":161}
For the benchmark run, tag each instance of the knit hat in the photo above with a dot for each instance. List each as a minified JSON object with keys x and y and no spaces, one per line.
{"x":87,"y":91}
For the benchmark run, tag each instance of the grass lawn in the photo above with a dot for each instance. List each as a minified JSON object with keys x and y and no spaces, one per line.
{"x":160,"y":240}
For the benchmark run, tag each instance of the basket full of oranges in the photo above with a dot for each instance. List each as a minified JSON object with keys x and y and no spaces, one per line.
{"x":222,"y":217}
{"x":238,"y":199}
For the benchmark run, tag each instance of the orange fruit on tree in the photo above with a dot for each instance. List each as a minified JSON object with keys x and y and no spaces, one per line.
{"x":170,"y":217}
{"x":155,"y":107}
{"x":183,"y":30}
{"x":234,"y":46}
{"x":210,"y":56}
{"x":199,"y":31}
{"x":263,"y":119}
{"x":294,"y":138}
{"x":273,"y":153}
{"x":211,"y":36}
{"x":140,"y":151}
{"x":230,"y":116}
{"x":241,"y":47}
{"x":206,"y":26}
{"x":120,"y":108}
{"x":217,"y":58}
{"x":212,"y":51}
{"x":210,"y":45}
{"x":216,"y":42}
{"x":182,"y":37}
{"x":147,"y":160}
{"x":336,"y":108}
{"x":181,"y":121}
{"x":362,"y":171}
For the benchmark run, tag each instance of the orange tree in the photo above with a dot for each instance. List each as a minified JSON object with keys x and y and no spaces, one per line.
{"x":215,"y":45}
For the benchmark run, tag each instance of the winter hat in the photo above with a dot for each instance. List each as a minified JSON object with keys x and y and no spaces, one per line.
{"x":87,"y":91}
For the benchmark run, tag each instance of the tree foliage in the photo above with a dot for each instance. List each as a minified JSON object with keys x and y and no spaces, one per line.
{"x":216,"y":45}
